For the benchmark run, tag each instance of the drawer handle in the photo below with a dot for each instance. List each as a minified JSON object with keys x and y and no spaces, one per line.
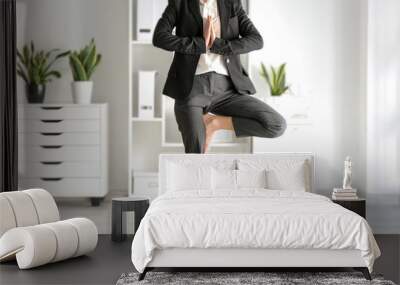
{"x":51,"y":134}
{"x":51,"y":162}
{"x":51,"y":179}
{"x":52,"y":108}
{"x":51,"y":121}
{"x":51,"y":146}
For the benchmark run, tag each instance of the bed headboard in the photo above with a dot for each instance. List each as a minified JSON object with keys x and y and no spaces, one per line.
{"x":214,"y":158}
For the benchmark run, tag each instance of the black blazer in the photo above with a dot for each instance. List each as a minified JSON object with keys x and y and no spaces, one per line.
{"x":238,"y":36}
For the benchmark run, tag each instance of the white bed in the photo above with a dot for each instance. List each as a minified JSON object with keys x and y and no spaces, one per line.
{"x":202,"y":220}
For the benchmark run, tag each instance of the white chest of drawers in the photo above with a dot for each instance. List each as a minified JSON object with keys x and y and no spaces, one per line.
{"x":63,"y":149}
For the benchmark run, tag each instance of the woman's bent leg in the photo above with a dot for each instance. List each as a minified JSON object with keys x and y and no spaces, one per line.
{"x":251,"y":116}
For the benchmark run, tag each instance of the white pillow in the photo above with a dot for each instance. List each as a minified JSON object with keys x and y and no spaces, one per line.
{"x":223,"y":179}
{"x":231,"y":180}
{"x":251,"y":178}
{"x":281,"y":174}
{"x":182,"y":177}
{"x":287,"y":179}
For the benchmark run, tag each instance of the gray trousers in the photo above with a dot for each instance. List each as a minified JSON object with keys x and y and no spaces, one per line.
{"x":215,"y":93}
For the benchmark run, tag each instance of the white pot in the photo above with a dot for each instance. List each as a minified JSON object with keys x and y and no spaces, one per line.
{"x":82,"y":92}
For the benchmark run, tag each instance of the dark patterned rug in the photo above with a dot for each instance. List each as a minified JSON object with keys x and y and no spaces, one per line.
{"x":244,"y":278}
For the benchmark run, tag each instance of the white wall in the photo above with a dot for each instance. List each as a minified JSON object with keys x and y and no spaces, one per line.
{"x":383,"y":114}
{"x":323,"y":44}
{"x":71,"y":24}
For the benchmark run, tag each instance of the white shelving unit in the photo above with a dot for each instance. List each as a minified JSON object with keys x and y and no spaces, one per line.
{"x":146,"y":120}
{"x":143,"y":149}
{"x":135,"y":42}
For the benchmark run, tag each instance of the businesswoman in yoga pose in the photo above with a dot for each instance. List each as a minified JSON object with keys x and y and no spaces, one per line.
{"x":206,"y":75}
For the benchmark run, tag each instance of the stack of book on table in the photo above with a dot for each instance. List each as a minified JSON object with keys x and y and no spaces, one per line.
{"x":344,"y":194}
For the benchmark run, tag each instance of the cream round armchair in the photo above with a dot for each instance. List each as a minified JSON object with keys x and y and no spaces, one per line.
{"x":31,"y":230}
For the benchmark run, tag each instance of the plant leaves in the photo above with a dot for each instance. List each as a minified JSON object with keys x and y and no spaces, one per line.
{"x":281,"y":73}
{"x":84,"y":61}
{"x":87,"y":53}
{"x":26,"y":54}
{"x":63,"y":54}
{"x":22,"y":74}
{"x":90,"y":59}
{"x":50,"y":52}
{"x":32,"y":48}
{"x":20,"y":57}
{"x":276,"y":79}
{"x":79,"y":70}
{"x":53,"y":73}
{"x":267,"y":76}
{"x":94,"y":66}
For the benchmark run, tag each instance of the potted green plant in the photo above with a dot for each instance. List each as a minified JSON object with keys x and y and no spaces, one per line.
{"x":83,"y":63}
{"x":276,"y":79}
{"x":35,"y":68}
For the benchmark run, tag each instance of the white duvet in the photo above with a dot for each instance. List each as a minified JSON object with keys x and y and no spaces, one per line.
{"x":250,"y":219}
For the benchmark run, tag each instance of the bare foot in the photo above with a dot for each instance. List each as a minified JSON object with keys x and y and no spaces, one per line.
{"x":207,"y":117}
{"x":214,"y":123}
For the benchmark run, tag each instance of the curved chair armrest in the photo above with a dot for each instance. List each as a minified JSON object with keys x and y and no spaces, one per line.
{"x":37,"y":245}
{"x":32,"y":246}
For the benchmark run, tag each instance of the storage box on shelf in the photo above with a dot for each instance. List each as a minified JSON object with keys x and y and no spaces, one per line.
{"x":145,"y":184}
{"x":63,"y":148}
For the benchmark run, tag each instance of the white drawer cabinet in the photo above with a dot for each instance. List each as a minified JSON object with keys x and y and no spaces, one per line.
{"x":63,"y":149}
{"x":62,"y":153}
{"x":56,"y":169}
{"x":61,"y":187}
{"x":57,"y":112}
{"x":58,"y":126}
{"x":59,"y":138}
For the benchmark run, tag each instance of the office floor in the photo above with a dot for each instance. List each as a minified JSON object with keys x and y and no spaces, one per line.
{"x":110,"y":260}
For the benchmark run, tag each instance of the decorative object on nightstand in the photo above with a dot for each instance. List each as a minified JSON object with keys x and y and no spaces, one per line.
{"x":347,"y":192}
{"x":139,"y":205}
{"x":83,"y":64}
{"x":347,"y":179}
{"x":35,"y":68}
{"x":356,"y":205}
{"x":63,"y":148}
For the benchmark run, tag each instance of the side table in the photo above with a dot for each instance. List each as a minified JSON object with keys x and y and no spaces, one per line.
{"x":357,"y":205}
{"x":139,"y":205}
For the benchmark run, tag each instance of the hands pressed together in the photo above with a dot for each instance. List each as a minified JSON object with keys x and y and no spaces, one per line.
{"x":209,"y":32}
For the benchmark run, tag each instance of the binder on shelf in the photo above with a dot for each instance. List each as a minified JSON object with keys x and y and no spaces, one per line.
{"x":146,"y":94}
{"x":148,"y":13}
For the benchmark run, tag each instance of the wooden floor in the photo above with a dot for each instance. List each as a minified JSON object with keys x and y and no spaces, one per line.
{"x":110,"y":260}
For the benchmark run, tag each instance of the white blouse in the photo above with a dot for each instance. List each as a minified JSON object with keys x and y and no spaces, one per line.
{"x":210,"y":61}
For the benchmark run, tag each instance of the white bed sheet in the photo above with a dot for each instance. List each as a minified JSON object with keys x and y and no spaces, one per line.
{"x":252,"y":218}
